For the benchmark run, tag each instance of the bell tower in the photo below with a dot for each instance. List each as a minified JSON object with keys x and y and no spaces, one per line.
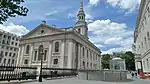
{"x":81,"y":25}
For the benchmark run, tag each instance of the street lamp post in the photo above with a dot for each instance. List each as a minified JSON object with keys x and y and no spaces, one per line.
{"x":41,"y":55}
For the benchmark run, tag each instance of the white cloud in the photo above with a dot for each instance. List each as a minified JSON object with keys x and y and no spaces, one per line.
{"x":94,"y":2}
{"x":113,"y":40}
{"x":16,"y":29}
{"x":117,"y":49}
{"x":129,"y":5}
{"x":108,"y":33}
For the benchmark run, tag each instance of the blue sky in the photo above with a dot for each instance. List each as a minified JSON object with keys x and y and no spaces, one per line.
{"x":111,"y":22}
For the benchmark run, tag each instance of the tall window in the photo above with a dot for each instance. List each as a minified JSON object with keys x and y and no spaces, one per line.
{"x":145,"y":42}
{"x":13,"y":61}
{"x":55,"y":61}
{"x":87,"y":54}
{"x":83,"y":51}
{"x":57,"y":47}
{"x":35,"y":55}
{"x":27,"y":49}
{"x":82,"y":17}
{"x":9,"y":62}
{"x":1,"y":54}
{"x":147,"y":63}
{"x":45,"y":54}
{"x":0,"y":60}
{"x":148,"y":11}
{"x":4,"y":61}
{"x":148,"y":34}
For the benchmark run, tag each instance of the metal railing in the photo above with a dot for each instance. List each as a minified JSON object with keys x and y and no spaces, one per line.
{"x":8,"y":73}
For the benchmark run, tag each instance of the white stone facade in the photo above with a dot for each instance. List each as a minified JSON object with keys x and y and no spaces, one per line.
{"x":142,"y":37}
{"x":63,"y":48}
{"x":73,"y":50}
{"x":9,"y":46}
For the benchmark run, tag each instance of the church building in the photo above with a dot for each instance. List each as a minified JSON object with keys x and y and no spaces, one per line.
{"x":62,"y":47}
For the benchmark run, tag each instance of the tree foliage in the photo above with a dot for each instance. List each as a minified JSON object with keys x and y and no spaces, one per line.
{"x":11,"y":8}
{"x":129,"y":60}
{"x":105,"y":61}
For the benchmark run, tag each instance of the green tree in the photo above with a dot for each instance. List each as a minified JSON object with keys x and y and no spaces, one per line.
{"x":105,"y":61}
{"x":129,"y":60}
{"x":11,"y":8}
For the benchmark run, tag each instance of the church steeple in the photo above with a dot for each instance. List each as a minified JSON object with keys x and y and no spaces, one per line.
{"x":81,"y":25}
{"x":81,"y":14}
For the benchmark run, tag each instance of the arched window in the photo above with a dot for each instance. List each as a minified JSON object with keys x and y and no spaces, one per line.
{"x":26,"y":61}
{"x":27,"y":49}
{"x":83,"y":51}
{"x":57,"y":47}
{"x":55,"y":61}
{"x":79,"y":17}
{"x":82,"y":17}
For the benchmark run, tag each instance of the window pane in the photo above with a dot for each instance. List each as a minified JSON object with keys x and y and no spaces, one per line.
{"x":45,"y":54}
{"x":57,"y":47}
{"x":35,"y":55}
{"x":27,"y":49}
{"x":55,"y":61}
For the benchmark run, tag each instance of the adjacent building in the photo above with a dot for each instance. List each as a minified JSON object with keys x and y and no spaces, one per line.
{"x":9,"y":46}
{"x":62,"y":47}
{"x":141,"y":44}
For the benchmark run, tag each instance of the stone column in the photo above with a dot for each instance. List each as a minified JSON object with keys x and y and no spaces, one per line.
{"x":79,"y":56}
{"x":20,"y":63}
{"x":49,"y":55}
{"x":31,"y":55}
{"x":62,"y":50}
{"x":86,"y":58}
{"x":19,"y":55}
{"x":70,"y":50}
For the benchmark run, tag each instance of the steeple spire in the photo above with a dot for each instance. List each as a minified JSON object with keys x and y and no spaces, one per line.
{"x":81,"y":25}
{"x":81,"y":5}
{"x":81,"y":10}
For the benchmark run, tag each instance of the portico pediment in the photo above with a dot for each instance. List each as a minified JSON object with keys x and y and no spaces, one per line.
{"x":42,"y":30}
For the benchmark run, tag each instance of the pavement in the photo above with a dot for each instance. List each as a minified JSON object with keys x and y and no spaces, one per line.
{"x":77,"y":81}
{"x":17,"y":81}
{"x":74,"y":80}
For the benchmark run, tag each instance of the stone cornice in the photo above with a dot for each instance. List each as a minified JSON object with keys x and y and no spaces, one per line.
{"x":139,"y":18}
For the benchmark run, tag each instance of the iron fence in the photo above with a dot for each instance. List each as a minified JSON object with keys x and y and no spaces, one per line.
{"x":8,"y":73}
